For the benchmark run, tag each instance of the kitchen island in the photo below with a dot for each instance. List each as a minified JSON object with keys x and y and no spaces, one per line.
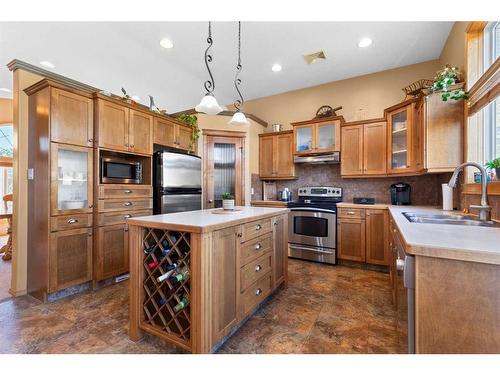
{"x":195,"y":277}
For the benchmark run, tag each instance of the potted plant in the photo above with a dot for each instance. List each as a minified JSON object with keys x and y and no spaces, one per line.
{"x":494,"y":165}
{"x":192,"y":121}
{"x":228,"y":201}
{"x":443,"y":81}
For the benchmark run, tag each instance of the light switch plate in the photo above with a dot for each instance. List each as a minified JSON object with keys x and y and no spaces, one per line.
{"x":31,"y":174}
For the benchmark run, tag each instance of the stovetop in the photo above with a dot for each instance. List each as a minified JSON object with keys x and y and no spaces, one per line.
{"x":325,"y":197}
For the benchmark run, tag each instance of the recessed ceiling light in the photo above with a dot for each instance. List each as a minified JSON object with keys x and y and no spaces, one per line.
{"x":166,"y":43}
{"x":47,"y":64}
{"x":365,"y":42}
{"x":276,"y":68}
{"x":3,"y":89}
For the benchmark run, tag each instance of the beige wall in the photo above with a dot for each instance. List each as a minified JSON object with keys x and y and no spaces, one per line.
{"x":361,"y":97}
{"x":453,"y":52}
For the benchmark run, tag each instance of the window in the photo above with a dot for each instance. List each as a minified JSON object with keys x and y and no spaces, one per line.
{"x":6,"y":140}
{"x":491,"y":46}
{"x":6,"y":151}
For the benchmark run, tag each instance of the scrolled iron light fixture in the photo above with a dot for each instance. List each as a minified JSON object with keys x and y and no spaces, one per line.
{"x":239,"y":117}
{"x":208,"y":103}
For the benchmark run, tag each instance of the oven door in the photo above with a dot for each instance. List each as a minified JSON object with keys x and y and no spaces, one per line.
{"x":313,"y":227}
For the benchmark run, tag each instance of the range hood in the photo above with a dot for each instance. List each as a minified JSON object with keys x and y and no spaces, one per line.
{"x":319,"y":158}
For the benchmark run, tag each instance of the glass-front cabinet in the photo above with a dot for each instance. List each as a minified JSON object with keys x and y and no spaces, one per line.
{"x":71,"y":179}
{"x":318,"y":135}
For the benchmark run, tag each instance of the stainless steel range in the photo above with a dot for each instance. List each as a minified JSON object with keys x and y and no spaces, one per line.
{"x":313,"y":224}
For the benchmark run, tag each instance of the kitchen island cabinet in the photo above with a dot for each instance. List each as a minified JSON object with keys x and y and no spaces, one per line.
{"x":226,"y":266}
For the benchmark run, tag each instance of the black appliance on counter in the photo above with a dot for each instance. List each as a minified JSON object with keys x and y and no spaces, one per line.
{"x":401,"y":194}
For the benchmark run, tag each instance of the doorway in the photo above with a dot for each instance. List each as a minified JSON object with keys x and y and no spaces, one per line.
{"x":223,"y":167}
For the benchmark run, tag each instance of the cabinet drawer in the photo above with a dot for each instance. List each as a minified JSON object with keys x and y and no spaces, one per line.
{"x":255,"y":248}
{"x":70,"y":222}
{"x":110,"y":205}
{"x":125,"y":192}
{"x":111,"y":218}
{"x":351,"y":212}
{"x":255,"y":269}
{"x":255,"y":293}
{"x":254,"y":229}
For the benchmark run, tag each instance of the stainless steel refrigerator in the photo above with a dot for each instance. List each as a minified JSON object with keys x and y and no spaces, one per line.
{"x":177,"y":182}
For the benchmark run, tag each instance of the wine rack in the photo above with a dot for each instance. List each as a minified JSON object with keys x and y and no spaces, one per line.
{"x":161,"y":249}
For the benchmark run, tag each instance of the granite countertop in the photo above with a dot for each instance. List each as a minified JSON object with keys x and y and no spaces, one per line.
{"x":459,"y":242}
{"x":205,"y":220}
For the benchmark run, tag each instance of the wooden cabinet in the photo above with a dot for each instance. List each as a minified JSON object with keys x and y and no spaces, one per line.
{"x":377,"y":237}
{"x":276,"y":156}
{"x":351,"y":154}
{"x":280,"y":247}
{"x":112,"y":256}
{"x":374,"y":148}
{"x":317,"y":135}
{"x":140,"y":132}
{"x":171,"y":133}
{"x":70,"y":258}
{"x":363,"y":235}
{"x":226,"y":282}
{"x":72,"y":118}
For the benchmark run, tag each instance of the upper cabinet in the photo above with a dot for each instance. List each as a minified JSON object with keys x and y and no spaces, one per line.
{"x":140,"y":136}
{"x":170,"y":133}
{"x":317,"y":135}
{"x":276,"y":156}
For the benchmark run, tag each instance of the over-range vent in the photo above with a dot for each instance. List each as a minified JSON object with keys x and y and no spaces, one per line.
{"x":314,"y":57}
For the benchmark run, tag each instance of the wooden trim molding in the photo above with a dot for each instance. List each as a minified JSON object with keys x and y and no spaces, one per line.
{"x":319,"y":120}
{"x":6,"y":161}
{"x":475,"y":188}
{"x":362,"y":122}
{"x":486,"y":89}
{"x":270,"y":134}
{"x":224,"y":133}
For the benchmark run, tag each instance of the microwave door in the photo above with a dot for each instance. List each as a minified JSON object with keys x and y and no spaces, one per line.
{"x":180,"y":171}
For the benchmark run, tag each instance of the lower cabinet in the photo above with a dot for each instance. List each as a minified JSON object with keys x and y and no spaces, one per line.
{"x":363,"y":235}
{"x":280,"y":248}
{"x":70,"y":258}
{"x":112,"y":256}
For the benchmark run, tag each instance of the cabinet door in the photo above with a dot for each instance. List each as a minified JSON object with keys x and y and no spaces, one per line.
{"x":418,"y":136}
{"x":280,"y":248}
{"x":140,"y":134}
{"x":71,"y":118}
{"x":303,"y":139}
{"x":112,"y":251}
{"x":377,"y":237}
{"x":164,"y":132}
{"x":113,"y":120}
{"x":225,"y":287}
{"x":351,"y":239}
{"x":71,"y":179}
{"x":327,"y":137}
{"x":183,"y":138}
{"x":352,"y":150}
{"x":399,"y":124}
{"x":266,"y":157}
{"x":284,"y":155}
{"x":375,"y":148}
{"x":70,"y":258}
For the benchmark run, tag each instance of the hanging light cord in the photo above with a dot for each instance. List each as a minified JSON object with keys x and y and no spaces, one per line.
{"x":237,"y":81}
{"x":209,"y":84}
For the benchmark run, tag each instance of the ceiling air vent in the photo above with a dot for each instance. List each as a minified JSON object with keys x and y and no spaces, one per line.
{"x":314,"y":57}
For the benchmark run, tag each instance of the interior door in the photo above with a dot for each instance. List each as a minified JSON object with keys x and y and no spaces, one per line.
{"x":223,"y":169}
{"x":140,"y":133}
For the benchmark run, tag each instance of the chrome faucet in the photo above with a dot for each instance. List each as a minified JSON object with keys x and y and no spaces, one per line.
{"x":484,"y":208}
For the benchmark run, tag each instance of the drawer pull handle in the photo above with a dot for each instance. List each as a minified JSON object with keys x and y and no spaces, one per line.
{"x":350,"y":212}
{"x":258,"y":227}
{"x":239,"y":235}
{"x":258,"y":292}
{"x":127,"y":191}
{"x":128,"y":203}
{"x":72,"y":221}
{"x":127,"y":216}
{"x":258,"y":246}
{"x":258,"y":267}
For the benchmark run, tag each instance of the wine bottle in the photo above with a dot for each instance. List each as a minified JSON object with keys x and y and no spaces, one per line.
{"x":182,"y":274}
{"x":148,"y":250}
{"x":183,"y":303}
{"x":153,"y":265}
{"x":169,"y":270}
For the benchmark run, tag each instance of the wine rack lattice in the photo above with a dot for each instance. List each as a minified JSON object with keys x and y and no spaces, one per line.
{"x":162,"y":249}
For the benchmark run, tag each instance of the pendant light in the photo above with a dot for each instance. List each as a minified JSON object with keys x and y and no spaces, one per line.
{"x":208,"y":103}
{"x":239,"y":117}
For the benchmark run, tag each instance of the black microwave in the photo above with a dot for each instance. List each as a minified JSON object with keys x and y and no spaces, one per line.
{"x":116,"y":170}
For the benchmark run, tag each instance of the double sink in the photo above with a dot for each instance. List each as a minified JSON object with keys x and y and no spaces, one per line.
{"x":453,"y":219}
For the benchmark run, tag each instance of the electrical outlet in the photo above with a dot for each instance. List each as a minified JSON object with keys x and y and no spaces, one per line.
{"x":251,"y":190}
{"x":31,"y":174}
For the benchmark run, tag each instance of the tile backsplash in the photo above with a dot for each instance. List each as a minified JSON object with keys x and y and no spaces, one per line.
{"x":425,"y":189}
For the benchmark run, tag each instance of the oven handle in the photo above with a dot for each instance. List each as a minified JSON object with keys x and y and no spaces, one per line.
{"x":310,"y":249}
{"x":313,"y":209}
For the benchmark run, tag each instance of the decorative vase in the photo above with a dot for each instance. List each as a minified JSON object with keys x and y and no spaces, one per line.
{"x":228,"y":204}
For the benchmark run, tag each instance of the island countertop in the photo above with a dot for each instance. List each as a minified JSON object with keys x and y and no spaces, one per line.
{"x":458,"y":242}
{"x":205,"y":220}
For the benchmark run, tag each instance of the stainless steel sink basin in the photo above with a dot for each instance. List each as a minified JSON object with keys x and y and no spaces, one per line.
{"x":447,"y":219}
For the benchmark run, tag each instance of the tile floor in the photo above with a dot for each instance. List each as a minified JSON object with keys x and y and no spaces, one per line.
{"x":325,"y":309}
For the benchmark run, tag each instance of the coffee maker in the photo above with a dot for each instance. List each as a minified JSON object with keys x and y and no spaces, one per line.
{"x":400,"y":194}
